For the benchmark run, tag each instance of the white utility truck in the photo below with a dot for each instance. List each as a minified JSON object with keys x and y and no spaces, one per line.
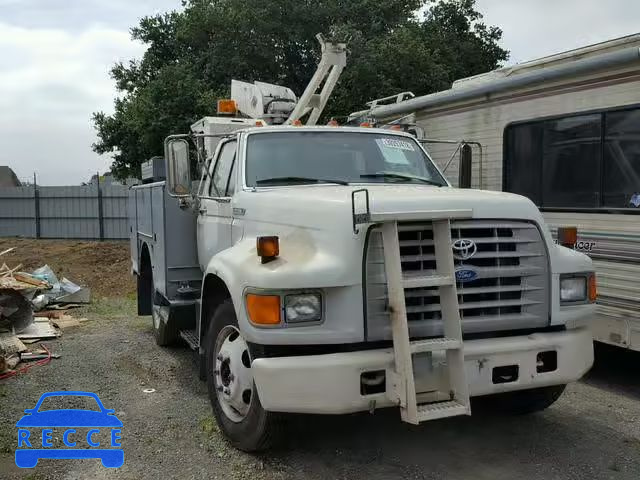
{"x":331,"y":270}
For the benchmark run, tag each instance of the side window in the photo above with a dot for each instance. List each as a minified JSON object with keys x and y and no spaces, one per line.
{"x":231,"y":184}
{"x":556,"y":163}
{"x":621,"y":183}
{"x":571,"y":162}
{"x":222,"y":170}
{"x":523,"y":161}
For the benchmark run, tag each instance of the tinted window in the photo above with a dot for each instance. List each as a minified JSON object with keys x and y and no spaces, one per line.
{"x":621,"y":184}
{"x":223,"y":167}
{"x":580,"y":161}
{"x":345,"y":156}
{"x":523,"y":161}
{"x":571,"y":162}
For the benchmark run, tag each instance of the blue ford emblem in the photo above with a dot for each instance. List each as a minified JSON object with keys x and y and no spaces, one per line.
{"x":466,"y":275}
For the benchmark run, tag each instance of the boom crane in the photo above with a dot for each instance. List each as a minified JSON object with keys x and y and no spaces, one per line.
{"x":332,"y":62}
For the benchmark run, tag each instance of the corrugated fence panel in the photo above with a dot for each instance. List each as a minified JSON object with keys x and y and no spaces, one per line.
{"x":17,"y":212}
{"x":65,"y":212}
{"x":114,"y":211}
{"x":69,"y":212}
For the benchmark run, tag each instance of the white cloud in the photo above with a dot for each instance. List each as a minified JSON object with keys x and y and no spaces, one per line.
{"x":56,"y":57}
{"x":51,"y":81}
{"x":536,"y":28}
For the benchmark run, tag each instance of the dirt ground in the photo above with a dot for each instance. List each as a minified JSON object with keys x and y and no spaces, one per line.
{"x":592,"y":432}
{"x":102,"y":266}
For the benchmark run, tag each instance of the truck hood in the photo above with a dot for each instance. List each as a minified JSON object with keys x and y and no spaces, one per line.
{"x":309,"y":205}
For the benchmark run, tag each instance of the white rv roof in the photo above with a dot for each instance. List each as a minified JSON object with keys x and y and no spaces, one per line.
{"x":550,"y":60}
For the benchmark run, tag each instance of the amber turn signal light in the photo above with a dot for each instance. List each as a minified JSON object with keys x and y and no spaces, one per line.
{"x":567,"y":236}
{"x":592,"y":288}
{"x":263,"y":309}
{"x":268,"y":248}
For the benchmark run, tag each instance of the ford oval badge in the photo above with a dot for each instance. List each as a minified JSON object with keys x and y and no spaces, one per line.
{"x":466,"y":275}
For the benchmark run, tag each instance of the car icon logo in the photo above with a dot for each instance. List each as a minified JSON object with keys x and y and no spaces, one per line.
{"x":82,"y":433}
{"x":464,"y":249}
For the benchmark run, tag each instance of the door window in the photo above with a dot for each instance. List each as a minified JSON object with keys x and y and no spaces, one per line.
{"x":222,"y":171}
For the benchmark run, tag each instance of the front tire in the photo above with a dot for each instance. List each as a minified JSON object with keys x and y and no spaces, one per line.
{"x":522,"y":402}
{"x":232,"y":392}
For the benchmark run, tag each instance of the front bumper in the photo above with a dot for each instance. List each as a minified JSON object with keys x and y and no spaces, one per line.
{"x":331,"y":383}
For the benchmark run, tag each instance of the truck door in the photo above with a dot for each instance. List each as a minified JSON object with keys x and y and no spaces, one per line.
{"x":215,"y":216}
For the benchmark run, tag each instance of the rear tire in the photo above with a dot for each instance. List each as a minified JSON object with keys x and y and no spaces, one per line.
{"x":522,"y":402}
{"x":250,"y":427}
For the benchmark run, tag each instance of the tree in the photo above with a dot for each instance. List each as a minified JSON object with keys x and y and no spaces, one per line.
{"x":193,"y":54}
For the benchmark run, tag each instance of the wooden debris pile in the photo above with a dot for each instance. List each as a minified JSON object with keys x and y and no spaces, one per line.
{"x":21,"y":328}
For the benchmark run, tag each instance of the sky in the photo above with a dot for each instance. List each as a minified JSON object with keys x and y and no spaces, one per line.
{"x":56,"y":56}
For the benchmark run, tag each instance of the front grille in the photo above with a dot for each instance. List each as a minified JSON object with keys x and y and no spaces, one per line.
{"x":510,"y":292}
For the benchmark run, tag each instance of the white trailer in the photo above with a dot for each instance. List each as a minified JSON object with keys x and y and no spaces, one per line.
{"x":563,"y":130}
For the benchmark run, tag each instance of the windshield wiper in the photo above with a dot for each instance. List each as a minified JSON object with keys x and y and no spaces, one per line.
{"x":401,"y":176}
{"x":299,"y":180}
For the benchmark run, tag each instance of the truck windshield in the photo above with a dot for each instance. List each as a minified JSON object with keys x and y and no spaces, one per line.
{"x":311,"y":157}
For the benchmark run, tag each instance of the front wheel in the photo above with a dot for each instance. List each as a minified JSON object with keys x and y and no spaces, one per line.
{"x":232,"y":392}
{"x":522,"y":402}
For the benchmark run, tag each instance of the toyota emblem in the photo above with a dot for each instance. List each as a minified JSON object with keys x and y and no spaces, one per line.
{"x":464,"y":249}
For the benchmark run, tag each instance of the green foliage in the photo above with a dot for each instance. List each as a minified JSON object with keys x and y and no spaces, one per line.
{"x":193,"y":54}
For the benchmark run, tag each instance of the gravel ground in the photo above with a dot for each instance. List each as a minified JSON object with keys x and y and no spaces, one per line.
{"x":593,"y":432}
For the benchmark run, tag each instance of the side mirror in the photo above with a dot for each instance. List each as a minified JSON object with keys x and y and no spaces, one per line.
{"x":178,"y":167}
{"x":466,"y":164}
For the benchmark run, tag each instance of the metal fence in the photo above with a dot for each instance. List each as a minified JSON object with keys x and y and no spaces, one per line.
{"x":91,"y":212}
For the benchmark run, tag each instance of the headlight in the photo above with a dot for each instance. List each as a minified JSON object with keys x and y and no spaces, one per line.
{"x":576,"y":288}
{"x":305,"y":307}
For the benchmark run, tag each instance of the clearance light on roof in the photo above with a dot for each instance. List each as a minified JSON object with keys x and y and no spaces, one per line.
{"x":227,"y":107}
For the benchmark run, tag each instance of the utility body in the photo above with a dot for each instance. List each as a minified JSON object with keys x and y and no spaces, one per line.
{"x":332,"y":270}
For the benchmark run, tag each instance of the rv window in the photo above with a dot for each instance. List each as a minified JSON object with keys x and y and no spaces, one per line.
{"x":621,"y":185}
{"x":522,"y":161}
{"x":571,"y":162}
{"x":577,"y":162}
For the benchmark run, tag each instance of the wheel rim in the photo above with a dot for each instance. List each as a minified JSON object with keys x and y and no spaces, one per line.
{"x":233,"y":380}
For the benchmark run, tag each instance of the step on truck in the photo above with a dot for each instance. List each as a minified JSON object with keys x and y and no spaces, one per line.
{"x":330,"y":270}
